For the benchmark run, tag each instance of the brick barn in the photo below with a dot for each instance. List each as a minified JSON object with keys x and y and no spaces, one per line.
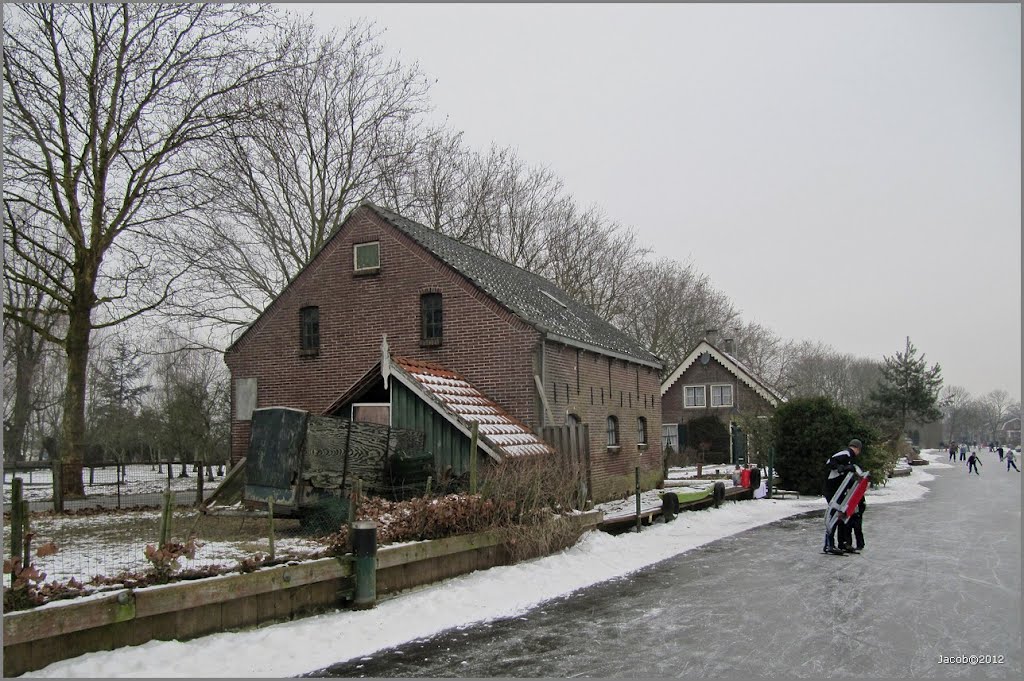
{"x":445,"y":310}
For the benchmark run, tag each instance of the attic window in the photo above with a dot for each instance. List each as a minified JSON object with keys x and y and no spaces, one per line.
{"x":366,"y":257}
{"x":553,"y":298}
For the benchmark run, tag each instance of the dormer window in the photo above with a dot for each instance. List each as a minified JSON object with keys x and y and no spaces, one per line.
{"x":366,"y":257}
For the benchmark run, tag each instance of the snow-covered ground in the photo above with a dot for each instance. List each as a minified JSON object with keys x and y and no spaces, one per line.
{"x":139,"y":479}
{"x":305,"y":645}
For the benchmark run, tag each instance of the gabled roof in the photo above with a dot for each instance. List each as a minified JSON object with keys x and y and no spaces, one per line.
{"x":499,"y":433}
{"x":532,"y":298}
{"x":733,"y":365}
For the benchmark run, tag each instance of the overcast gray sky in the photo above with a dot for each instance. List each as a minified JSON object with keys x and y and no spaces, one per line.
{"x":844,"y":173}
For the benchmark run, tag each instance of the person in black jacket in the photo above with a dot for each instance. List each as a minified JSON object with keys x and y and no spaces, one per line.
{"x":839,"y":464}
{"x":972,"y":464}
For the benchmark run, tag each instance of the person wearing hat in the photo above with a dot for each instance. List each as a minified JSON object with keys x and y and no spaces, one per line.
{"x":839,"y":464}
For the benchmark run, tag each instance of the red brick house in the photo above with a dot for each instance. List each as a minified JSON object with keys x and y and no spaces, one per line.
{"x":711,"y":381}
{"x":514,"y":337}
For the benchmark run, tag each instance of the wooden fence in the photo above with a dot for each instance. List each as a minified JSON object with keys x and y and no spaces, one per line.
{"x":572,"y":444}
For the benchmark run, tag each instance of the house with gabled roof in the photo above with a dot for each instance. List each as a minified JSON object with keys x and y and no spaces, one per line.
{"x":459,"y":323}
{"x":711,"y":381}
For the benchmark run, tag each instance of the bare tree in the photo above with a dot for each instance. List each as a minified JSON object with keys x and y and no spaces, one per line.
{"x":24,"y":347}
{"x":339,"y":126}
{"x":103,"y":107}
{"x":671,"y":309}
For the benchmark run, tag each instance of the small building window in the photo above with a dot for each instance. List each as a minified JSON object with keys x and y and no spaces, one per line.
{"x":431,"y":319}
{"x":694,"y":396}
{"x":309,"y":330}
{"x":641,"y":430}
{"x":670,"y":437}
{"x":613,"y":431}
{"x":366,"y":257}
{"x":721,"y":396}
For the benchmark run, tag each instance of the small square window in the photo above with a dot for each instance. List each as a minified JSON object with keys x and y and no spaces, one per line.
{"x":366,"y":257}
{"x":721,"y":396}
{"x":694,"y":396}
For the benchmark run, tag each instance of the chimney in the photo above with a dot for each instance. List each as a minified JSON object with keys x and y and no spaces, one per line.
{"x":710,"y":335}
{"x":727,"y":345}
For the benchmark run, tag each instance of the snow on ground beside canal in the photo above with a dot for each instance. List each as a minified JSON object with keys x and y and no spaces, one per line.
{"x":306,"y":645}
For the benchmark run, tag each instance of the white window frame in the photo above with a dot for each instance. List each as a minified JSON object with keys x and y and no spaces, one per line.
{"x":704,"y":394}
{"x":732,"y":394}
{"x":355,"y":257}
{"x":670,"y":439}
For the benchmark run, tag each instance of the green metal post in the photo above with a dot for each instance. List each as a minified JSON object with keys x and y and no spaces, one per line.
{"x":364,"y":550}
{"x":472,"y":457}
{"x":26,"y":533}
{"x":638,"y":498}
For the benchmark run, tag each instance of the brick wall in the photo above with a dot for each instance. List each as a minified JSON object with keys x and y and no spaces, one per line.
{"x":593,"y":387}
{"x":745,"y":399}
{"x":489,"y":346}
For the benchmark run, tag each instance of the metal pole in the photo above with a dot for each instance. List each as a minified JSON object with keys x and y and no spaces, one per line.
{"x":364,"y":549}
{"x":270,"y":512}
{"x":472,"y":457}
{"x":771,"y":470}
{"x":638,"y":498}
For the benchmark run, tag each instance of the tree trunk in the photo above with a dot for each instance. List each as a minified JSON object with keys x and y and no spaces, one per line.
{"x":27,"y":359}
{"x":72,"y":446}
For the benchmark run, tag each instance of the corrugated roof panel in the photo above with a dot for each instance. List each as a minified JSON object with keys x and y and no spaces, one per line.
{"x":469,"y":405}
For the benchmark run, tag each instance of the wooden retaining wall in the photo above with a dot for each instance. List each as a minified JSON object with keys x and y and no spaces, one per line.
{"x":36,"y":638}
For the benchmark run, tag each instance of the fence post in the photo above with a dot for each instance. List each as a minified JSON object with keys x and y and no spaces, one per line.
{"x":17,"y":521}
{"x":199,"y":478}
{"x":165,"y":519}
{"x":472,"y":457}
{"x":58,"y":495}
{"x":638,"y":498}
{"x":26,"y":532}
{"x":771,"y":470}
{"x":426,"y":491}
{"x":270,"y":512}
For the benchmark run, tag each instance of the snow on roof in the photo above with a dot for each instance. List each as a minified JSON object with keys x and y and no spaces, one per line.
{"x":456,"y":395}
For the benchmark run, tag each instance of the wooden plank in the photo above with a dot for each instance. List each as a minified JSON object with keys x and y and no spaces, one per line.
{"x":395,"y":555}
{"x":231,"y":587}
{"x":64,"y":618}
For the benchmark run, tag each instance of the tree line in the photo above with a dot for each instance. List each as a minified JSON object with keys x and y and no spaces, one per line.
{"x":174,"y":166}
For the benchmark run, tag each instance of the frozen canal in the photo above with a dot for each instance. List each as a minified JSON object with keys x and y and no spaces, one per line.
{"x":940,"y":576}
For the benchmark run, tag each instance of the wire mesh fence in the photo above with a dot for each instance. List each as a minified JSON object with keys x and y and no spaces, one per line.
{"x":103,"y":533}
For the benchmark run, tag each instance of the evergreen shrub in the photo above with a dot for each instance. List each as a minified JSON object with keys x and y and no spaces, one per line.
{"x":807,"y":431}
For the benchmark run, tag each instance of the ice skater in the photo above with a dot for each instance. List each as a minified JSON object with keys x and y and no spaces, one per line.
{"x":963,"y":452}
{"x":972,"y":463}
{"x":1010,"y":460}
{"x":952,"y":452}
